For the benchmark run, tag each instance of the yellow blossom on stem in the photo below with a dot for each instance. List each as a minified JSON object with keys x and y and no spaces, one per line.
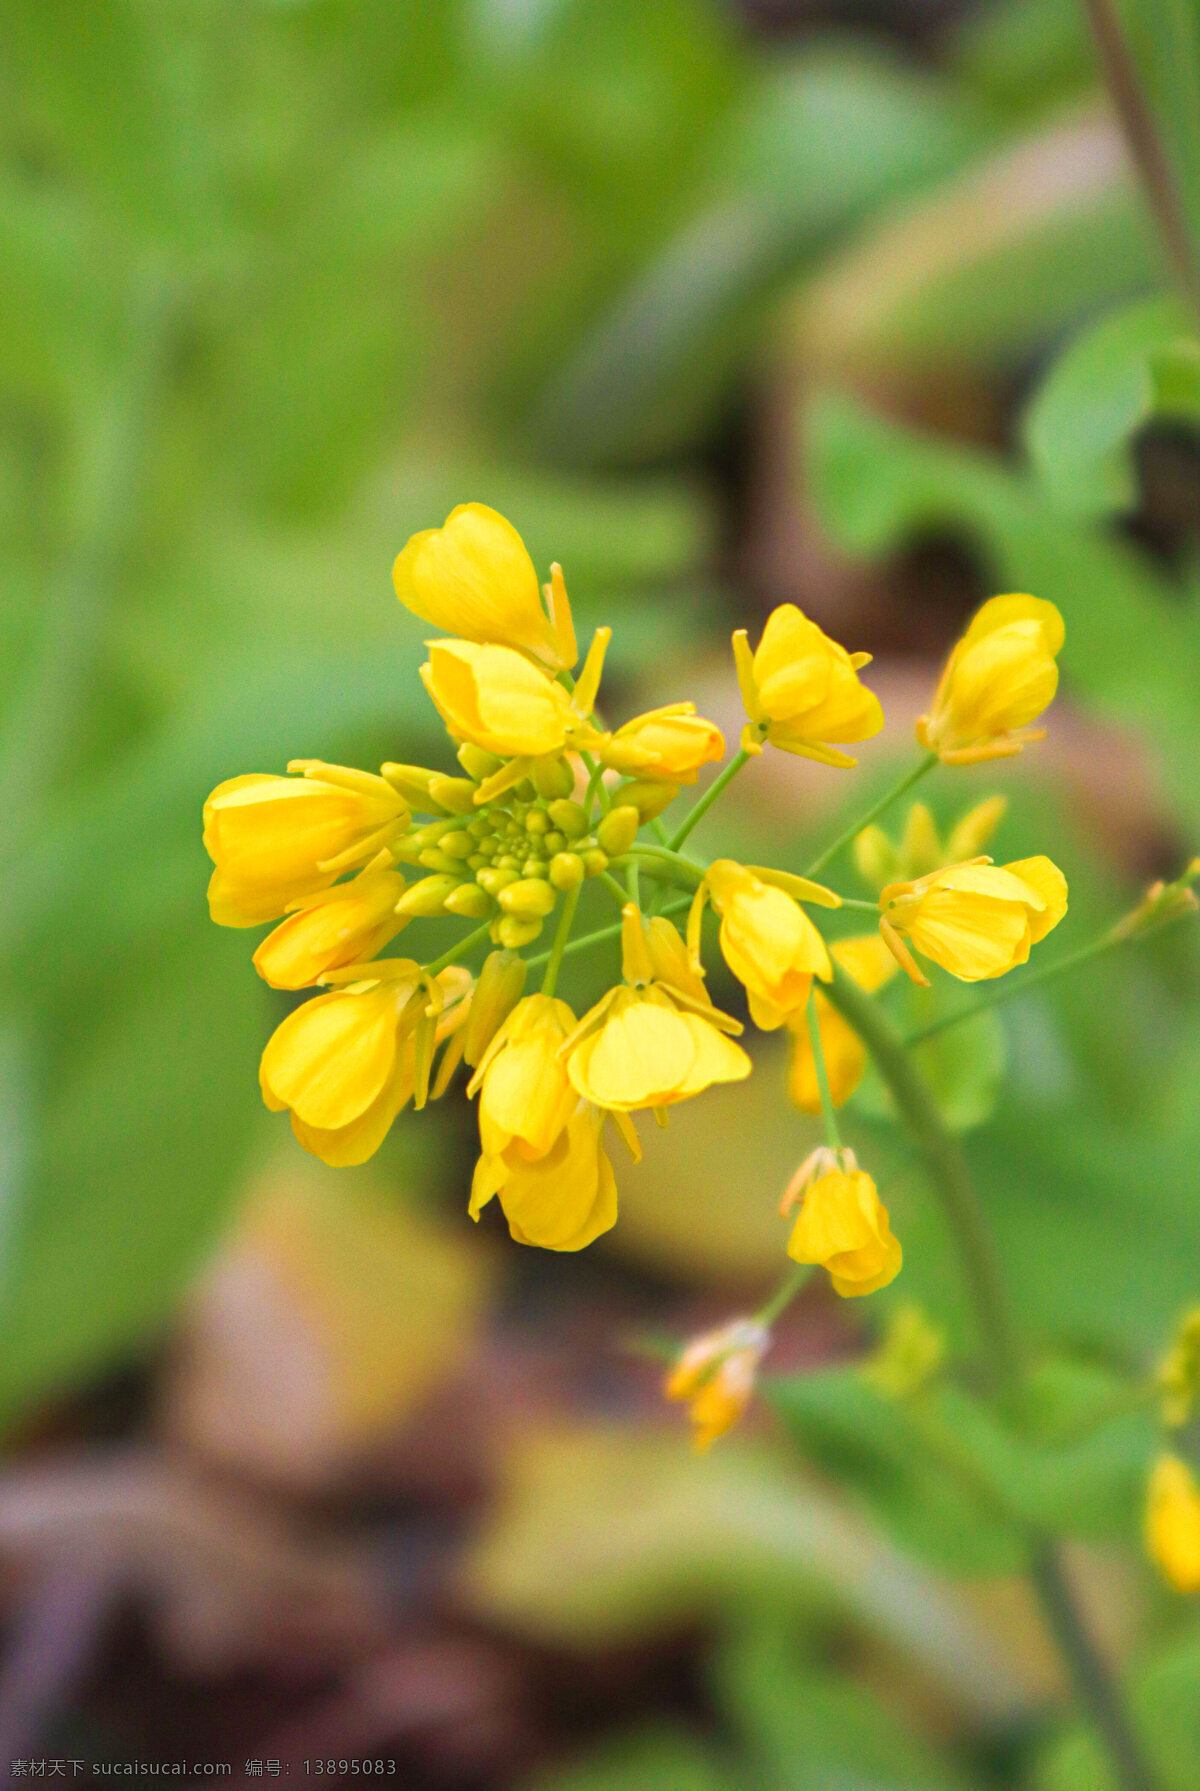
{"x":347,"y":924}
{"x":561,"y":1200}
{"x":766,"y":939}
{"x":802,"y":691}
{"x":525,"y":1095}
{"x":474,"y":578}
{"x":869,"y":962}
{"x":275,"y":839}
{"x":715,"y":1375}
{"x":493,"y":697}
{"x":1173,"y":1523}
{"x":842,"y":1224}
{"x":649,"y":1042}
{"x":670,"y":744}
{"x":998,"y":679}
{"x":977,"y":920}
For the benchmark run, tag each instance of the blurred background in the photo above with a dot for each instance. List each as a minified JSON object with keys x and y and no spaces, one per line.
{"x":851,"y":303}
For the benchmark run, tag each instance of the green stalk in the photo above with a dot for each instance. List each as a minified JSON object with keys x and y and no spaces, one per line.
{"x":885,"y":801}
{"x":701,"y":808}
{"x":784,"y":1294}
{"x":833,"y":1136}
{"x":562,"y":934}
{"x":1010,"y":991}
{"x":460,"y":950}
{"x":599,"y":937}
{"x":683,"y":871}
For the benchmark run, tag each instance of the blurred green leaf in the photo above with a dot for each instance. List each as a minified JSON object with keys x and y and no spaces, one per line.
{"x":657,"y":1759}
{"x":1079,"y":427}
{"x":1164,"y":1699}
{"x":964,"y":1066}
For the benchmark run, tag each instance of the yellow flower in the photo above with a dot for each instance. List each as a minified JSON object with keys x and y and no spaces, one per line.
{"x":560,"y":1201}
{"x":344,"y":925}
{"x":525,"y":1096}
{"x":346,"y":1063}
{"x":275,"y":839}
{"x":649,"y":1043}
{"x":1178,"y":1374}
{"x":977,"y":920}
{"x":998,"y":679}
{"x":1173,"y":1523}
{"x":716,"y":1375}
{"x":842,"y":1224}
{"x":670,"y":744}
{"x":766,"y":939}
{"x":869,"y":962}
{"x":494,"y":698}
{"x":801,"y":690}
{"x":474,"y":578}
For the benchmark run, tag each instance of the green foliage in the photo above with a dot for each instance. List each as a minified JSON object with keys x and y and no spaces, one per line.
{"x":1164,"y":1697}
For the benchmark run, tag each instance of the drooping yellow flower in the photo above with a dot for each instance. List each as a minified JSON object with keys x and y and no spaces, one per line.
{"x":801,"y":690}
{"x":668,"y":744}
{"x":766,"y":939}
{"x":998,"y":679}
{"x":842,"y":1224}
{"x":344,"y":925}
{"x":869,"y":962}
{"x":977,"y":920}
{"x":562,"y":1200}
{"x":525,"y":1096}
{"x":474,"y":578}
{"x":715,"y":1375}
{"x":649,"y":1043}
{"x":1173,"y":1523}
{"x":277,"y":839}
{"x":493,"y":697}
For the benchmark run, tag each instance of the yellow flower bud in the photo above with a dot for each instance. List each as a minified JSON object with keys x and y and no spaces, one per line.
{"x":474,"y":578}
{"x":672,"y":743}
{"x":594,"y":861}
{"x":649,"y":797}
{"x":412,"y":782}
{"x":842,"y":1224}
{"x":553,"y":779}
{"x":455,"y":794}
{"x":766,"y":939}
{"x":869,"y":962}
{"x":971,"y":834}
{"x":801,"y":690}
{"x":715,"y":1375}
{"x":343,"y":1063}
{"x":568,"y":817}
{"x":497,"y":699}
{"x":998,"y":679}
{"x":1179,"y":1372}
{"x":618,"y":830}
{"x":920,"y":844}
{"x":468,"y":901}
{"x":495,"y":995}
{"x":560,"y":1201}
{"x":343,"y":925}
{"x":428,"y":897}
{"x":1161,"y":904}
{"x":875,"y":857}
{"x":275,"y":840}
{"x":566,"y":870}
{"x":515,"y":930}
{"x":976,"y":920}
{"x":910,"y":1355}
{"x":530,"y":897}
{"x":1173,"y":1523}
{"x":478,"y":764}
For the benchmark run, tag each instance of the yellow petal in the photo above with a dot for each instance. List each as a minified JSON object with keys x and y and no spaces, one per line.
{"x":330,"y":1059}
{"x":474,"y":578}
{"x":1048,"y":883}
{"x":495,"y":698}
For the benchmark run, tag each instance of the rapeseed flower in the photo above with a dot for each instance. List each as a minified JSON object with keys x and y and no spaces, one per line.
{"x":474,"y":578}
{"x":561,"y":1200}
{"x":998,"y":679}
{"x":716,"y":1375}
{"x":801,"y":690}
{"x":977,"y":920}
{"x":766,"y":939}
{"x":842,"y":1224}
{"x":346,"y":924}
{"x":669,"y":745}
{"x":1173,"y":1523}
{"x":525,"y":1095}
{"x":870,"y":964}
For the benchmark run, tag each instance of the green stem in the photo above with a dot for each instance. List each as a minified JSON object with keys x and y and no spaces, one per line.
{"x":885,"y":801}
{"x":948,"y":1170}
{"x":631,"y":880}
{"x":460,"y":950}
{"x":784,"y":1294}
{"x":860,"y":907}
{"x":698,"y":811}
{"x":599,"y":937}
{"x":1011,"y":991}
{"x":683,"y":871}
{"x":1089,"y":1670}
{"x":614,"y":888}
{"x":562,"y":934}
{"x":833,"y":1136}
{"x":595,"y":785}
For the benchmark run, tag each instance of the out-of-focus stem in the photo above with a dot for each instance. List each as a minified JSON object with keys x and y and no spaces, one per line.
{"x":885,"y":801}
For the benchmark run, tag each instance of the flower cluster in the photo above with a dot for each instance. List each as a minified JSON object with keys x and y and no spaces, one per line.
{"x":546,"y":798}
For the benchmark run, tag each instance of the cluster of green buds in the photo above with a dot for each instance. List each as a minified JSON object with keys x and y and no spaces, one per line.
{"x":511,"y":857}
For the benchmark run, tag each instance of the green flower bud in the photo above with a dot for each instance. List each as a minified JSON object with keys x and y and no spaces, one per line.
{"x":494,"y":878}
{"x":514,"y":930}
{"x":508,"y":861}
{"x":618,"y":830}
{"x":434,"y":859}
{"x":469,"y":901}
{"x":428,"y":896}
{"x":477,"y":860}
{"x":458,"y":844}
{"x":476,"y":762}
{"x":566,"y":870}
{"x":648,"y":797}
{"x":530,"y":897}
{"x":569,"y":818}
{"x":412,"y":781}
{"x":553,"y":842}
{"x":553,"y":777}
{"x":456,"y":794}
{"x":537,"y":821}
{"x":480,"y":826}
{"x":498,"y":990}
{"x":594,"y":861}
